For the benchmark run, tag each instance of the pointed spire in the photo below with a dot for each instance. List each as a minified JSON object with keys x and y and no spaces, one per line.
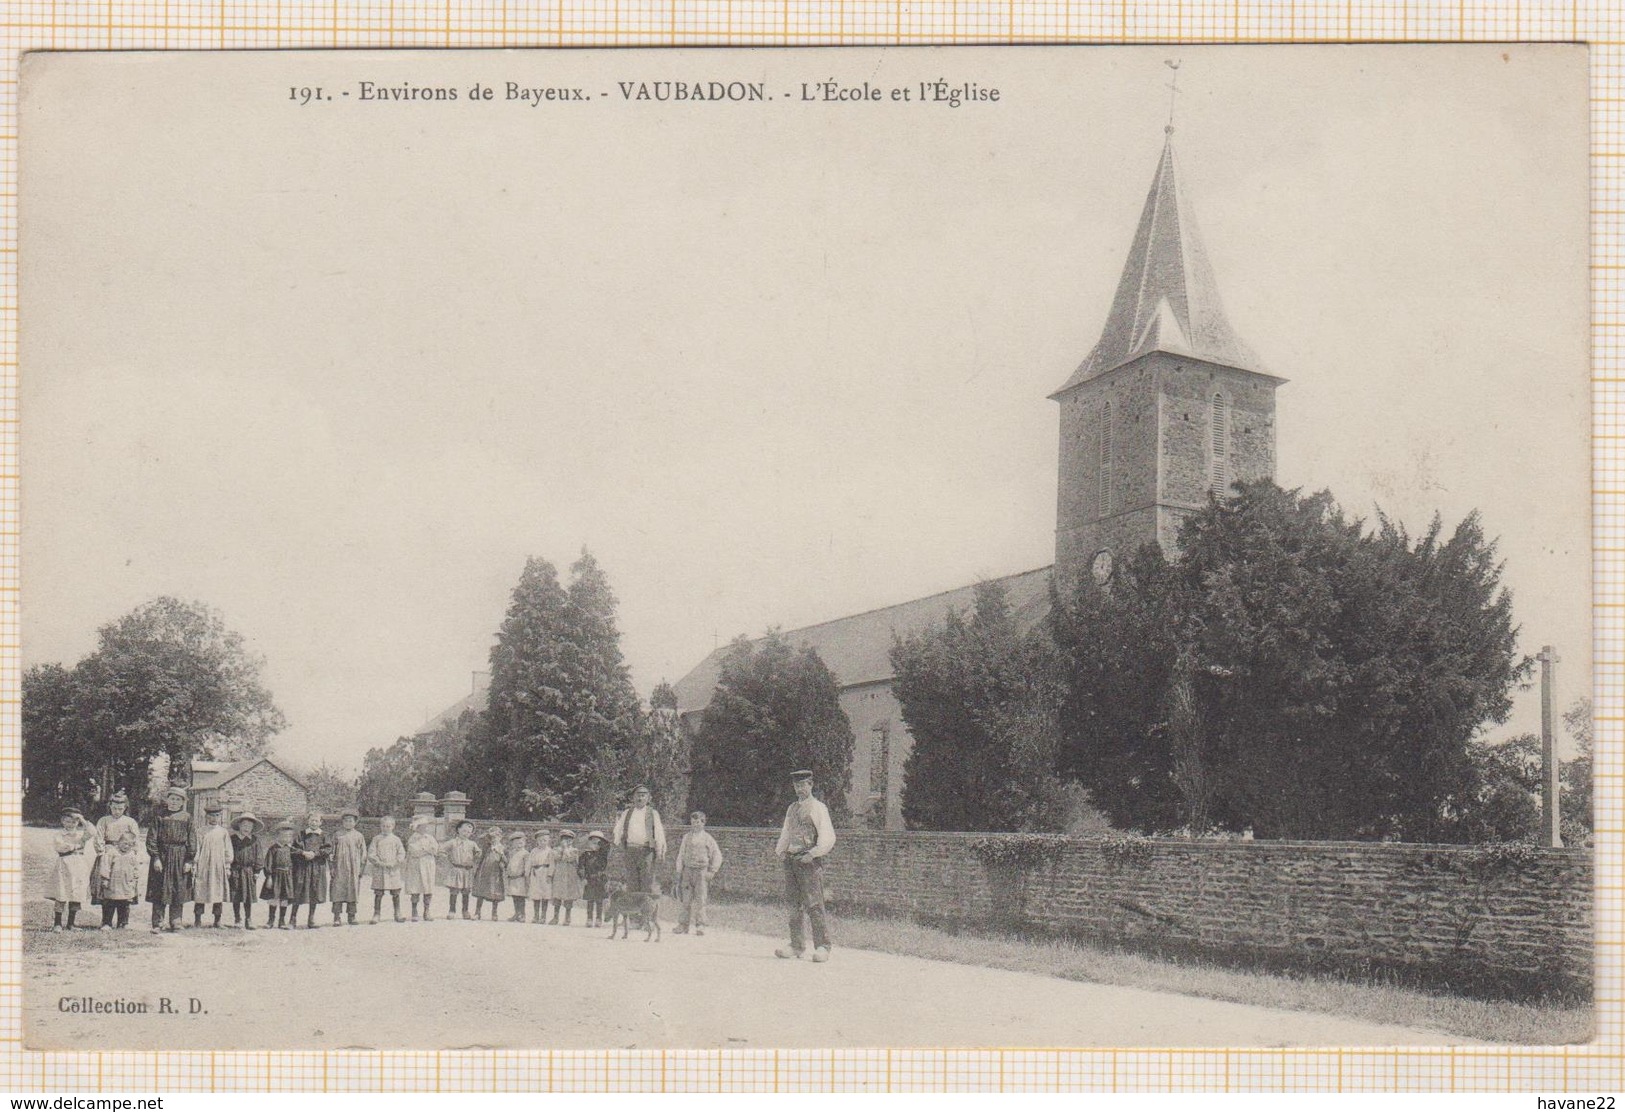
{"x":1167,"y":299}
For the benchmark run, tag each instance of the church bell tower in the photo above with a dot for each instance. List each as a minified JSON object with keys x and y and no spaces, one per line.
{"x":1168,"y":408}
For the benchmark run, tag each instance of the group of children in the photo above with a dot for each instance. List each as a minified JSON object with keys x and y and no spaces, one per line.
{"x":108,"y":864}
{"x":300,"y":867}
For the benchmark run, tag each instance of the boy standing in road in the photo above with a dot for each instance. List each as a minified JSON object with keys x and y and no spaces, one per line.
{"x":698,"y":859}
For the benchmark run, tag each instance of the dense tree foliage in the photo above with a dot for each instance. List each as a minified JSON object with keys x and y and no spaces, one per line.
{"x":167,"y":680}
{"x":557,"y":736}
{"x":1293,"y":672}
{"x":775,"y":709}
{"x":979,"y":697}
{"x":331,"y":788}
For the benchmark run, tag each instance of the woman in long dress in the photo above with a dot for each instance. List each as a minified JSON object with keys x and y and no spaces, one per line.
{"x":211,"y":872}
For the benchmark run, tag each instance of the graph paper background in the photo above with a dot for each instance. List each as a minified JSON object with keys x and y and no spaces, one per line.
{"x":211,"y":24}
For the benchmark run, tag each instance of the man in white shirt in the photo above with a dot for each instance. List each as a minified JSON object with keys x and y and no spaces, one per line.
{"x":642,"y":839}
{"x":804,"y":841}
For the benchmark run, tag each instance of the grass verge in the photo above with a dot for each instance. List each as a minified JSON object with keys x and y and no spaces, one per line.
{"x":1511,"y":1022}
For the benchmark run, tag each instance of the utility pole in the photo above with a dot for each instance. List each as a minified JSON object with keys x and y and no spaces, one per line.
{"x":1551,"y":813}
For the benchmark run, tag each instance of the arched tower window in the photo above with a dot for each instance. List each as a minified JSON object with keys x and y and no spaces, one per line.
{"x":1106,"y":453}
{"x":1218,"y":455}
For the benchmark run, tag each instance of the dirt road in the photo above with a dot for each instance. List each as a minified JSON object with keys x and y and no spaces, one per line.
{"x":445,"y":985}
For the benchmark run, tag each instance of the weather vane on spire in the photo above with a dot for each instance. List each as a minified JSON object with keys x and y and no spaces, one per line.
{"x":1173,"y":91}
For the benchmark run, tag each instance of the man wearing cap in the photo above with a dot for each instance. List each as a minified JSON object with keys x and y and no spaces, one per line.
{"x":171,"y":850}
{"x":642,"y":840}
{"x":804,"y":841}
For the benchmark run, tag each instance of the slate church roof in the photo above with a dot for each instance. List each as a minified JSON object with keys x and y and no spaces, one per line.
{"x":1166,"y":299}
{"x":857,"y":648}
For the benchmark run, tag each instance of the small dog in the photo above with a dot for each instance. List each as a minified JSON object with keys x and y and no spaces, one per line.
{"x":626,"y":906}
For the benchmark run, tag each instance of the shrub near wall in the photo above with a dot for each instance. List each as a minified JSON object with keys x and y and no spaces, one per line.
{"x":1490,"y":920}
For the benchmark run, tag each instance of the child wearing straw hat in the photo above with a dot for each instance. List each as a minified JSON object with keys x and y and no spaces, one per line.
{"x":211,"y":872}
{"x":245,"y":867}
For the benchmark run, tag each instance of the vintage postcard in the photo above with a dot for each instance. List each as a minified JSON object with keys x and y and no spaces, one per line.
{"x":755,"y":548}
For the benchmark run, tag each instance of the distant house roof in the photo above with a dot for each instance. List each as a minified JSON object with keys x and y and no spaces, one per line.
{"x":857,"y":649}
{"x":475,"y":701}
{"x":214,"y":774}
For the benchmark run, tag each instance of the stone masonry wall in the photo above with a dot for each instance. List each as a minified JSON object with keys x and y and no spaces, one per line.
{"x":1450,"y":913}
{"x":1457,"y":915}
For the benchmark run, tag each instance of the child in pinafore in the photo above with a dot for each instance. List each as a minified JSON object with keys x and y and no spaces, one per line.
{"x":421,"y":850}
{"x":462,"y":854}
{"x":75,"y":857}
{"x":349,"y":867}
{"x":211,"y":871}
{"x":109,"y":829}
{"x":593,"y":866}
{"x":310,"y":872}
{"x":566,"y":880}
{"x":490,"y":879}
{"x":385,"y":857}
{"x":517,"y":873}
{"x":541,"y":876}
{"x":171,"y":850}
{"x":121,"y":881}
{"x":278,"y":889}
{"x":245,"y":864}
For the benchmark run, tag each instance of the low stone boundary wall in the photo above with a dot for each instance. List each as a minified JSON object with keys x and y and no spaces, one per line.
{"x":1474,"y":918}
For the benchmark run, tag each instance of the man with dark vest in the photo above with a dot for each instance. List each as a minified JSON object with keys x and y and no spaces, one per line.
{"x":804,"y":841}
{"x":641,"y":838}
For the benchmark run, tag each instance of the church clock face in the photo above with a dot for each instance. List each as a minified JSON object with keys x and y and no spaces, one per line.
{"x":1102,"y":567}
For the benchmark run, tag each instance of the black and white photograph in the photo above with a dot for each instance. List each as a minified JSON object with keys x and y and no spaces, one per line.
{"x":742,"y":548}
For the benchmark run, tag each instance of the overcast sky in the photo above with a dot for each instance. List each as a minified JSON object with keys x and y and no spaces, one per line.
{"x":336,"y":370}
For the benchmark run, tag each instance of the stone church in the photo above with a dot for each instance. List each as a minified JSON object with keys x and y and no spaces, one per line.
{"x":1168,"y":407}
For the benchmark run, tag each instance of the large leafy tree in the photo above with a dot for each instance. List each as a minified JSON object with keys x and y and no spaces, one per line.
{"x":978,"y":694}
{"x":167,"y":679}
{"x":1311,"y":677}
{"x":775,"y":709}
{"x":62,"y":762}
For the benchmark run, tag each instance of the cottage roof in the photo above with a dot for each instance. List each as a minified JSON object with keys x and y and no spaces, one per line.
{"x":1167,"y":299}
{"x":857,"y":649}
{"x":214,"y":774}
